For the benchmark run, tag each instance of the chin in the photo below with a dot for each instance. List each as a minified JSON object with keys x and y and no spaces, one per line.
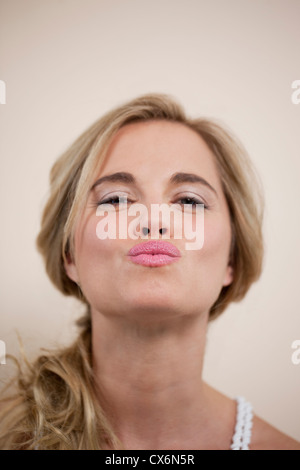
{"x":154,"y":307}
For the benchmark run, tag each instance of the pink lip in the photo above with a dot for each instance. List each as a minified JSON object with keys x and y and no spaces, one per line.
{"x":154,"y":253}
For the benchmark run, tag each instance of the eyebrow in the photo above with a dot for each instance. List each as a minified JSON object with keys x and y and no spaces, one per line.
{"x":119,"y":177}
{"x":176,"y":178}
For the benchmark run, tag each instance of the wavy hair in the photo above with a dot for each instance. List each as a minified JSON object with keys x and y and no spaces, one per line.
{"x":55,"y":405}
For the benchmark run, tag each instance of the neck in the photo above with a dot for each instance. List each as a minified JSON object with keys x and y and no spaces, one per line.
{"x":151,"y":378}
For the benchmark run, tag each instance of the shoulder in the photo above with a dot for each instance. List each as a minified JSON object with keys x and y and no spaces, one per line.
{"x":267,"y":437}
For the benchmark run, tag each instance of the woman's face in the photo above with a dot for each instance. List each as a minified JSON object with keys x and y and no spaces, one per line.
{"x":151,"y":154}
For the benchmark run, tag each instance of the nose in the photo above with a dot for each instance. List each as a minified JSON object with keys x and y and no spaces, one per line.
{"x":146,"y":230}
{"x":153,"y":221}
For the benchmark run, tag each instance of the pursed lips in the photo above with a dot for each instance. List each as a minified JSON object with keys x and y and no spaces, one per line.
{"x":154,"y":253}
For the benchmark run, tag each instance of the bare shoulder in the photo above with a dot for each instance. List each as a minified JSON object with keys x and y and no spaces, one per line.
{"x":267,"y":437}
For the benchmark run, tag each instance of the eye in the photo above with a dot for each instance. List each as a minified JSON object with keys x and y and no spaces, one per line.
{"x":192,"y":201}
{"x":114,"y":200}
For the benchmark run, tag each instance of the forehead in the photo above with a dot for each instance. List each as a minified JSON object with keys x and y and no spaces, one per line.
{"x":159,"y":147}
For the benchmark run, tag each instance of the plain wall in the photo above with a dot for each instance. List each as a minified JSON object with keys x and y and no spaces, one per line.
{"x":65,"y":63}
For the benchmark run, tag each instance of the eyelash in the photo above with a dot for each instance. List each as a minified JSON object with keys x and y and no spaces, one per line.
{"x":110,"y":200}
{"x":113,"y":198}
{"x":194,"y":200}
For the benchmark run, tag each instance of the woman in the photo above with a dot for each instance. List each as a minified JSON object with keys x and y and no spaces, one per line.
{"x":133,"y":378}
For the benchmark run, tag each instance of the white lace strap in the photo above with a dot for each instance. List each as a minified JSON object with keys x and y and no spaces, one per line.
{"x":242,"y":432}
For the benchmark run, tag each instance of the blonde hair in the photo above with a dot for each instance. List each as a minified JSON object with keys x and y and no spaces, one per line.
{"x":56,"y":405}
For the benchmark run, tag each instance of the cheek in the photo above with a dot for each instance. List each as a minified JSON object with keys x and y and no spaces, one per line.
{"x":217,"y":238}
{"x":94,"y":256}
{"x":207,"y":267}
{"x":214,"y":255}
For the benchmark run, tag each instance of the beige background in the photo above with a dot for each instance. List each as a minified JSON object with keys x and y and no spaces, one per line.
{"x":66,"y":62}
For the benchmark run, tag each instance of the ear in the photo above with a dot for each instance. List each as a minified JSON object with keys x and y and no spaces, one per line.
{"x":70,"y":268}
{"x":229,"y":274}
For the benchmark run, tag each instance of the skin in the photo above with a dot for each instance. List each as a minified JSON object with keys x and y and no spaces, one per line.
{"x":149,"y":324}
